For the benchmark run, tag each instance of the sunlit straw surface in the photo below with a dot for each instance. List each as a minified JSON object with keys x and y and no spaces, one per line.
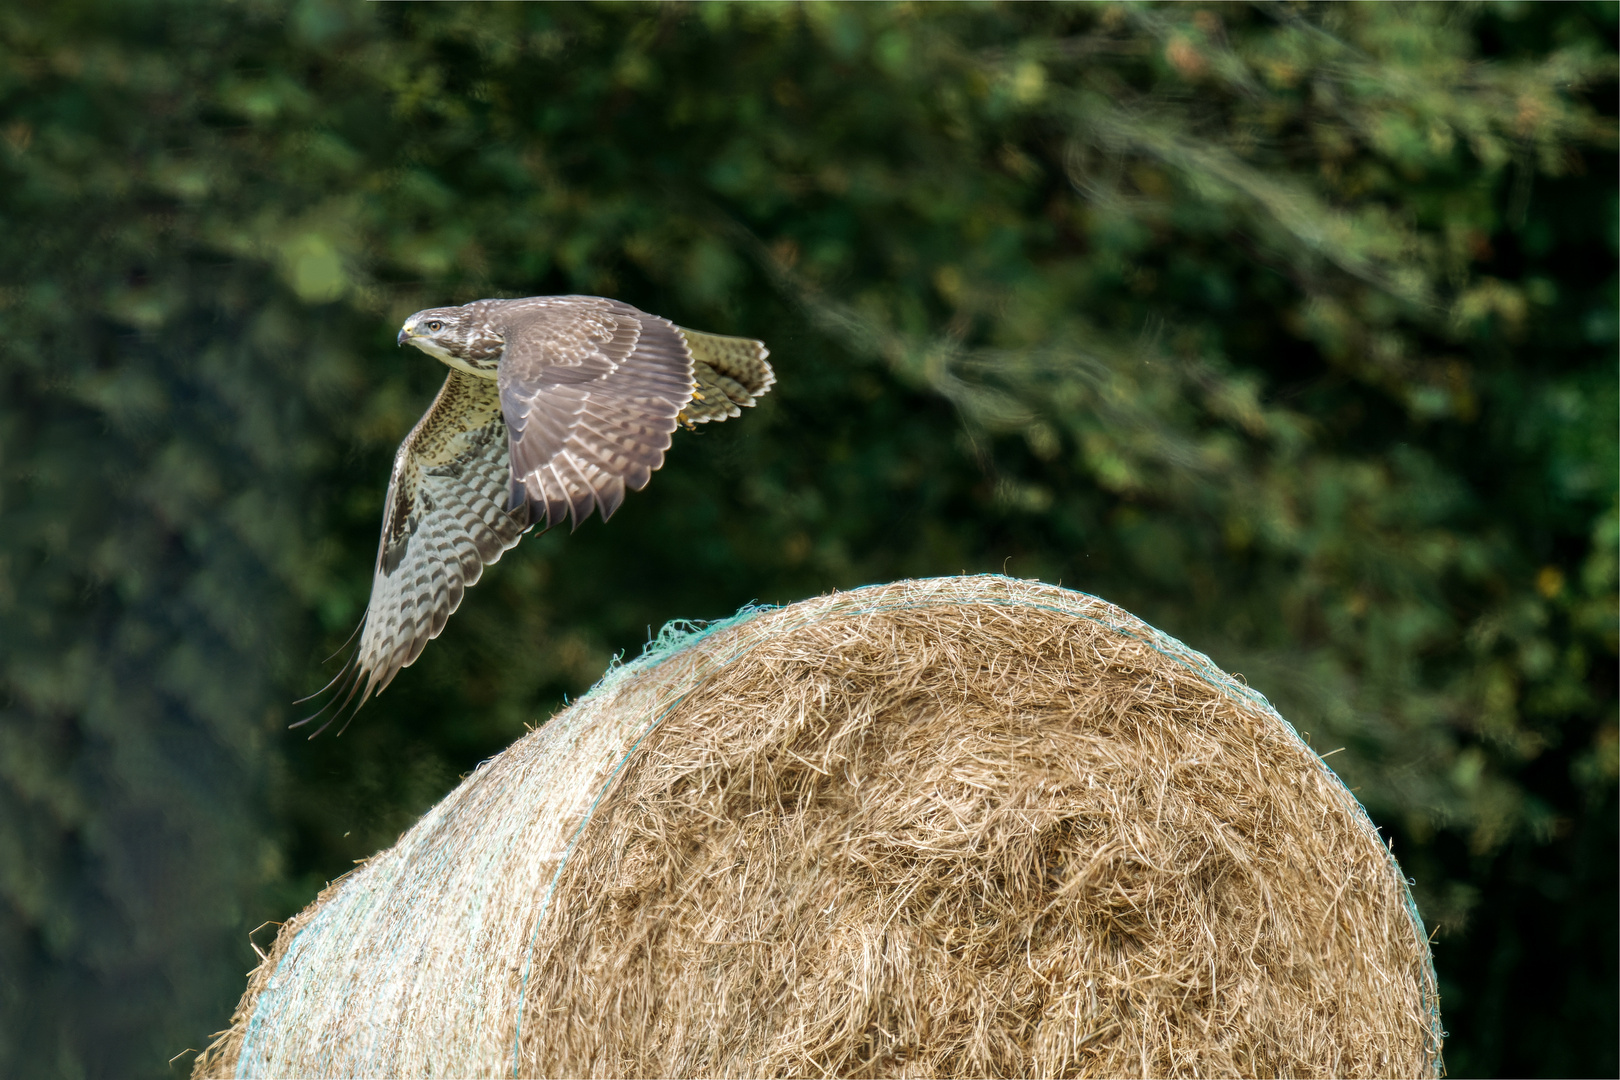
{"x":968,"y":826}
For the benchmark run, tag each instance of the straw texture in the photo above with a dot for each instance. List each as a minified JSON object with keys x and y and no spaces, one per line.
{"x":967,"y":826}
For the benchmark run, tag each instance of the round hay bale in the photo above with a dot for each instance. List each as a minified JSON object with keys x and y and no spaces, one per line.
{"x":967,"y":827}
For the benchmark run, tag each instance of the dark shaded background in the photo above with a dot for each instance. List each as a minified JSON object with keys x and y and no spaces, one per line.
{"x":1291,"y":328}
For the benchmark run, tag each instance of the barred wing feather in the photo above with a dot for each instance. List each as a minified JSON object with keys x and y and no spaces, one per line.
{"x":591,"y":389}
{"x":445,"y":519}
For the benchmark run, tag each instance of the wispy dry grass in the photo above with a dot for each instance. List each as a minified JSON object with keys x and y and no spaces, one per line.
{"x":969,"y":827}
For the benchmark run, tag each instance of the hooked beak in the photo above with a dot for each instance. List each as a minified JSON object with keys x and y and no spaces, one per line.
{"x":403,"y":335}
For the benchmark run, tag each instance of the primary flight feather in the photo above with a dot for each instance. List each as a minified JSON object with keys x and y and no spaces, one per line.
{"x":554,"y":406}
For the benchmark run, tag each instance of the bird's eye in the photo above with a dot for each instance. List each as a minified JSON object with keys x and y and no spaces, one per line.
{"x":434,"y":326}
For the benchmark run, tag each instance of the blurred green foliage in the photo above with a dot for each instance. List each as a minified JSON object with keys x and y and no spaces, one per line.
{"x":1290,"y":328}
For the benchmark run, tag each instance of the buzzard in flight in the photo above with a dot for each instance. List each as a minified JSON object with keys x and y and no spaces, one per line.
{"x":553,"y":407}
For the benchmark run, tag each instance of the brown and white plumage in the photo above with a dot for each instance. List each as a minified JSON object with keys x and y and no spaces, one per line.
{"x":554,"y":407}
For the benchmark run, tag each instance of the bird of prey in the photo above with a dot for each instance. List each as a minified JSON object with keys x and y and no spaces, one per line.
{"x":554,"y":406}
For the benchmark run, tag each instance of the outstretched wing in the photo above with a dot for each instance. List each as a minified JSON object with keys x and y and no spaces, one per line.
{"x":446,"y":517}
{"x":590,"y":389}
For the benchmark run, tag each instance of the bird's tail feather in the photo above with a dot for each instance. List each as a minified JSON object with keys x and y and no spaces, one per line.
{"x":730,"y":373}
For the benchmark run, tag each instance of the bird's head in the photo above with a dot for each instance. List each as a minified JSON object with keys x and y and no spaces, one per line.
{"x":459,"y":336}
